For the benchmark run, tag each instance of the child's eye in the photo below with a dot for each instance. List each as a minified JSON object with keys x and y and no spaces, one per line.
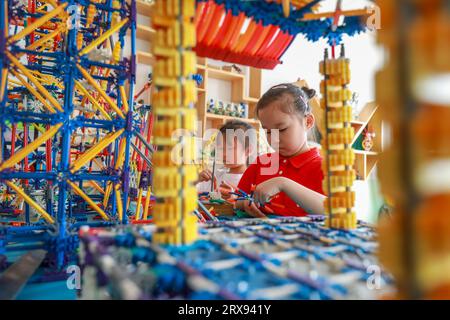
{"x":281,"y":130}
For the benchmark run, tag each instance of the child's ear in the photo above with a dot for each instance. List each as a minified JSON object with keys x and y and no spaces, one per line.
{"x":310,"y":121}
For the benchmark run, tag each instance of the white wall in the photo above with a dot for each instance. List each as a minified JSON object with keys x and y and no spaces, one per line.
{"x":302,"y":60}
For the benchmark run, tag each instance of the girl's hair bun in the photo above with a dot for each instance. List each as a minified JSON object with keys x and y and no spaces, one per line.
{"x":310,"y":93}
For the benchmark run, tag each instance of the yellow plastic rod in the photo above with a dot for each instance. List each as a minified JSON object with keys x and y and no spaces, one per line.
{"x":40,"y":129}
{"x":97,"y":87}
{"x":138,"y":206}
{"x":107,"y":194}
{"x":119,"y":201}
{"x":124,"y":98}
{"x":35,"y":81}
{"x":286,"y":8}
{"x":31,"y":202}
{"x":96,"y":186}
{"x":36,"y":24}
{"x":147,"y":203}
{"x":19,"y":156}
{"x":92,"y":99}
{"x":33,"y":91}
{"x":86,"y":198}
{"x":4,"y":79}
{"x":121,"y":154}
{"x":103,"y":37}
{"x":93,"y":151}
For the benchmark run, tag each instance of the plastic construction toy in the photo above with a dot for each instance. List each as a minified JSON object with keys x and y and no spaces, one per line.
{"x":66,"y":118}
{"x":284,"y":258}
{"x":174,"y":106}
{"x":338,"y":133}
{"x":258,"y":33}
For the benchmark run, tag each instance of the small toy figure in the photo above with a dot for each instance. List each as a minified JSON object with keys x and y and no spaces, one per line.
{"x":211,"y":106}
{"x":367,"y":142}
{"x":229,"y":109}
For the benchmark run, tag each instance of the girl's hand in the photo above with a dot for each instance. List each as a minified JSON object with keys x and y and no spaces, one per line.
{"x":205,"y":175}
{"x":249,"y":209}
{"x":225,"y":189}
{"x":265,"y":191}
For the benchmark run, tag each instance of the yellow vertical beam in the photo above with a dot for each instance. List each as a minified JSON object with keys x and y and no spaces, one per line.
{"x":147,"y":203}
{"x":119,"y":201}
{"x":19,"y":156}
{"x":31,"y":202}
{"x":86,"y":198}
{"x":139,"y":204}
{"x":124,"y":99}
{"x":107,"y":194}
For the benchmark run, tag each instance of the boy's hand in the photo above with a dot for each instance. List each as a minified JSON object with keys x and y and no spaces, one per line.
{"x":205,"y":175}
{"x":265,"y":191}
{"x":250,"y":209}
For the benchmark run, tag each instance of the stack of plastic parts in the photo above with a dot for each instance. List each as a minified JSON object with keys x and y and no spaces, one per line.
{"x":66,"y":118}
{"x":283,"y":258}
{"x":258,"y":33}
{"x":413,"y":91}
{"x":336,"y":144}
{"x":173,"y":102}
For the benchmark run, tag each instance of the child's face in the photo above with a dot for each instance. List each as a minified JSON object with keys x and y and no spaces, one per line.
{"x":232,"y":152}
{"x":292,"y":128}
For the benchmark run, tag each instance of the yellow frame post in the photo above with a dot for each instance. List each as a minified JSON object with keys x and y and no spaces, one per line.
{"x":119,"y":201}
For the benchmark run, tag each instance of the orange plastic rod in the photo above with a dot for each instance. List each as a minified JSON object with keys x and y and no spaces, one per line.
{"x":214,"y":26}
{"x":236,"y":32}
{"x":206,"y":21}
{"x":245,"y":38}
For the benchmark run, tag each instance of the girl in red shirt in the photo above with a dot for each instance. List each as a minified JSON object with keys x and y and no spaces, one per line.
{"x":288,"y":181}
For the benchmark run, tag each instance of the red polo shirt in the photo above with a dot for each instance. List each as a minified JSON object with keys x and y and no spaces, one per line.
{"x":305,"y":169}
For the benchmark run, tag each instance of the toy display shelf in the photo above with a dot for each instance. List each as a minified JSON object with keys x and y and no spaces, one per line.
{"x":239,"y":92}
{"x":366,"y":160}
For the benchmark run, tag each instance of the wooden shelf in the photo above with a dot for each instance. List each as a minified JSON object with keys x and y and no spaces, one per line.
{"x":224,"y":75}
{"x":251,"y":100}
{"x":366,"y":160}
{"x":144,"y":32}
{"x":368,"y":153}
{"x":145,"y":58}
{"x":144,"y":8}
